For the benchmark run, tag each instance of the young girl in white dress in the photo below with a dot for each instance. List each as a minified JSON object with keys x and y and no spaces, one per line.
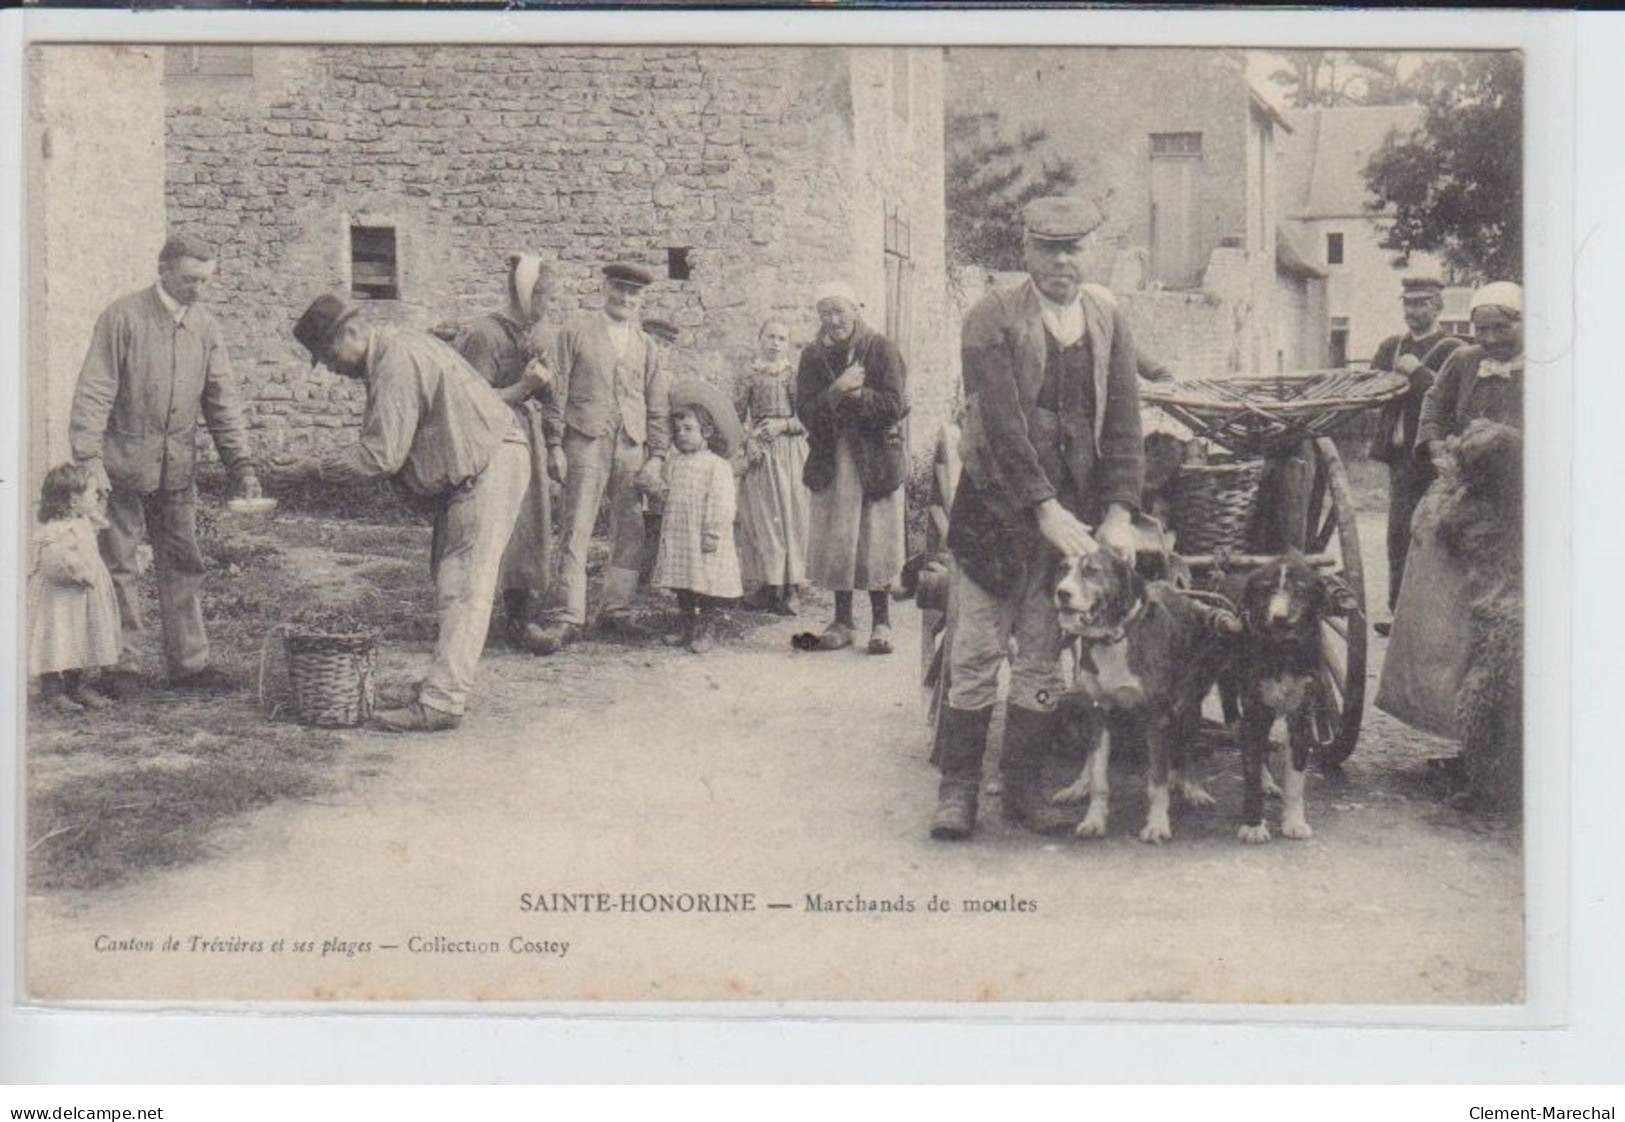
{"x":73,"y":616}
{"x":697,"y":558}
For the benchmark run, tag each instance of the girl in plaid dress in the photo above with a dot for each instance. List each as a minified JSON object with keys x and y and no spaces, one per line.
{"x":697,"y":558}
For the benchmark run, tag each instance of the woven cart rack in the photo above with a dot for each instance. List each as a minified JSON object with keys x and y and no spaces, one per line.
{"x":330,"y":676}
{"x":1261,"y":415}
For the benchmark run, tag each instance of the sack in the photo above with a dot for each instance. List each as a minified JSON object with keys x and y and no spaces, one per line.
{"x":1428,"y":651}
{"x":881,"y":459}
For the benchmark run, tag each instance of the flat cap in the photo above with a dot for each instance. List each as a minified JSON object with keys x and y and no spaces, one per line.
{"x":661,"y":329}
{"x":1060,"y":218}
{"x":1421,"y":285}
{"x":627,"y":273}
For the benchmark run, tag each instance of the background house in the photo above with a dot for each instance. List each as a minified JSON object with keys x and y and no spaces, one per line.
{"x":404,"y":176}
{"x":1325,"y":201}
{"x":1181,"y":153}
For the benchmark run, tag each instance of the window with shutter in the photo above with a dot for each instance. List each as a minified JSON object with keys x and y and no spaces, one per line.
{"x":374,"y":271}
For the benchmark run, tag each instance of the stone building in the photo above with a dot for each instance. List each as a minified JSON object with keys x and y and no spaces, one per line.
{"x":1181,"y":154}
{"x":94,"y":187}
{"x":405,"y":175}
{"x":1325,"y":199}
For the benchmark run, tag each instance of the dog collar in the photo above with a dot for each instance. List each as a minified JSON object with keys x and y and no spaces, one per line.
{"x":1120,"y":632}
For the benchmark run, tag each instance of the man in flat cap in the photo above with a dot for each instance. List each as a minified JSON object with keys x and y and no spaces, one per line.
{"x":1419,"y":354}
{"x":157,"y":361}
{"x":1053,"y":464}
{"x":435,"y":423}
{"x":607,"y":433}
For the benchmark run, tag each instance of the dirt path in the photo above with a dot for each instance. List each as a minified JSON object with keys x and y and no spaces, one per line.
{"x":756,"y":770}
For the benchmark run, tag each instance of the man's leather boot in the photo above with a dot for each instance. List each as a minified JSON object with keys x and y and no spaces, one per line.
{"x":963,"y":742}
{"x":1028,"y":735}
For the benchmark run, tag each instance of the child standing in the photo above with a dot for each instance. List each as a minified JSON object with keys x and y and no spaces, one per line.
{"x":772,"y":496}
{"x":73,"y":615}
{"x":697,"y":558}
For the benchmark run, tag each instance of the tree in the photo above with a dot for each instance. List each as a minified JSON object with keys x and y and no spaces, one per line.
{"x":990,"y":178}
{"x":1455,"y":185}
{"x":1334,"y":79}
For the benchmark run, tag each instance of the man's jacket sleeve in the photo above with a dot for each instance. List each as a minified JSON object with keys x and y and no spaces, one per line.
{"x":394,"y":410}
{"x":657,"y":404}
{"x":96,"y":390}
{"x":1121,"y":477}
{"x":223,"y":408}
{"x":995,"y":425}
{"x":562,"y":359}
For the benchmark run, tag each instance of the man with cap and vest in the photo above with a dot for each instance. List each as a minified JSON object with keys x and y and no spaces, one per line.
{"x":665,"y":334}
{"x":157,"y":361}
{"x":607,"y":431}
{"x":437,"y":425}
{"x":1419,"y":354}
{"x":1053,"y":464}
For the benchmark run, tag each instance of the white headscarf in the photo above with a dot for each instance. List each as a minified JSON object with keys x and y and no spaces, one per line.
{"x":836,"y":290}
{"x":527,"y":267}
{"x":1499,"y":294}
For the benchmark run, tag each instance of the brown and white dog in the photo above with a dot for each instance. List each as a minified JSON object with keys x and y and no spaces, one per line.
{"x":1145,"y":654}
{"x":1276,"y":675}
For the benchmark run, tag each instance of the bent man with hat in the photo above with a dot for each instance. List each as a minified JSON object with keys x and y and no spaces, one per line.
{"x":1419,"y":354}
{"x":607,"y":433}
{"x":449,"y":436}
{"x":1053,"y":463}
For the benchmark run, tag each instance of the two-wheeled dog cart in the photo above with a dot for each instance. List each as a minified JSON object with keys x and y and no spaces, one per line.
{"x":1273,"y":481}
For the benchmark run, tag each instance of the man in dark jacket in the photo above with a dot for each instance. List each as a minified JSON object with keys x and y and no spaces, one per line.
{"x":1419,"y":354}
{"x":1051,"y":447}
{"x":156,"y":362}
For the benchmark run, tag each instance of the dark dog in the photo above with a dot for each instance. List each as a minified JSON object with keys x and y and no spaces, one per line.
{"x":1145,"y":654}
{"x":1277,"y":674}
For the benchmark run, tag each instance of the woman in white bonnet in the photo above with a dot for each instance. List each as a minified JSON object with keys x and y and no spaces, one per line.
{"x":851,"y":398}
{"x":1484,"y":380}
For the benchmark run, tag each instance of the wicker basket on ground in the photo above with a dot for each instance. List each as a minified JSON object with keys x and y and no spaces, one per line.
{"x":1211,"y":506}
{"x":331,"y":676}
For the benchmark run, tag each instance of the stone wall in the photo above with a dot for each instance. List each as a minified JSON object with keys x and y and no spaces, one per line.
{"x":95,"y":187}
{"x":759,"y":163}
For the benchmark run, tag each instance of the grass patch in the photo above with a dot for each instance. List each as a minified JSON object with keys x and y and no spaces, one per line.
{"x":90,"y":831}
{"x":145,"y":784}
{"x":142,"y":785}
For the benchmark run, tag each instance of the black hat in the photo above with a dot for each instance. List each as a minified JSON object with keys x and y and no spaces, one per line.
{"x":627,"y":273}
{"x":661,"y":329}
{"x":1060,"y":218}
{"x":321,"y":321}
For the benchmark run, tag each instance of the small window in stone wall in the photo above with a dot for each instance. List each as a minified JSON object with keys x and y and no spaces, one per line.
{"x":374,"y":274}
{"x":223,"y":62}
{"x":677,"y":263}
{"x":1334,"y":249}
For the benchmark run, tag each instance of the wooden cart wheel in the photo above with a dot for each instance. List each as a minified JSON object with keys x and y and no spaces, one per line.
{"x":1331,"y":528}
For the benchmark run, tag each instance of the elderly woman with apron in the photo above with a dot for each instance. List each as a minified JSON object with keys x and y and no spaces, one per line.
{"x":1458,"y":619}
{"x":851,"y":398}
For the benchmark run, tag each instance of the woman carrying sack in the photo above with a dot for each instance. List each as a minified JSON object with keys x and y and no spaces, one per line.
{"x":851,"y":398}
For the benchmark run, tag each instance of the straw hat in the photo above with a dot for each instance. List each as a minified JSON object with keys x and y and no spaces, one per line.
{"x":692,"y":391}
